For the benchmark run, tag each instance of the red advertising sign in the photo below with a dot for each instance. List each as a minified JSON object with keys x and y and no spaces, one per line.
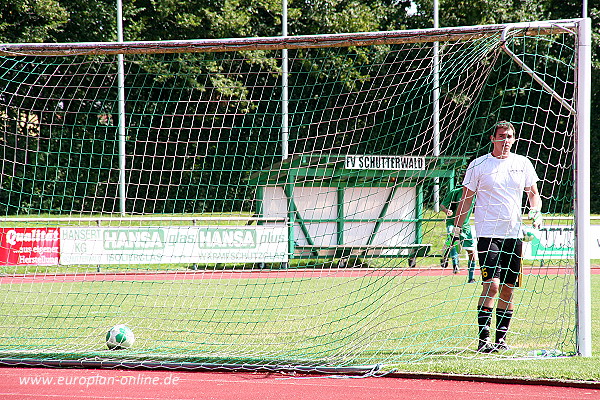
{"x":29,"y":246}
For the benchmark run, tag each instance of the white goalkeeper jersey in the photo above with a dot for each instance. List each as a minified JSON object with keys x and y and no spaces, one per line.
{"x":499,"y":185}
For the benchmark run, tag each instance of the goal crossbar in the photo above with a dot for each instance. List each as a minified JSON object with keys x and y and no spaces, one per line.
{"x":285,"y":42}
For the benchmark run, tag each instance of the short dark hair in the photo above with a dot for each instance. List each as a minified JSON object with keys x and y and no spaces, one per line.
{"x":504,"y":125}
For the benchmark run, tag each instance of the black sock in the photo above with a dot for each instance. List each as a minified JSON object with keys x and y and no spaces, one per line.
{"x":503,"y":318}
{"x":484,"y":319}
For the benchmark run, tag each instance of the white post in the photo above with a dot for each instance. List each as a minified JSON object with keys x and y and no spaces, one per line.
{"x":121,"y":88}
{"x":436,"y":105}
{"x":284,"y":87}
{"x":583,"y":193}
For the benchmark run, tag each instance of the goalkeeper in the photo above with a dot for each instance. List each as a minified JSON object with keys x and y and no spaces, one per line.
{"x":448,"y":206}
{"x":498,"y":180}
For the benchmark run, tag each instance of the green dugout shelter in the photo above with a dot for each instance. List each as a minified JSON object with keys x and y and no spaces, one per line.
{"x":352,"y":206}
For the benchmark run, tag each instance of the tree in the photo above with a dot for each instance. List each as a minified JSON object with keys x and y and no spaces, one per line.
{"x":558,"y":9}
{"x":463,"y":12}
{"x":82,"y":20}
{"x":30,"y":21}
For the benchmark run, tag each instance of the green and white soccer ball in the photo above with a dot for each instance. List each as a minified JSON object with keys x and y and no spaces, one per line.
{"x":119,"y":337}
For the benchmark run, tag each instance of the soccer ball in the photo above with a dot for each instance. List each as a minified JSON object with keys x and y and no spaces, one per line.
{"x":119,"y":337}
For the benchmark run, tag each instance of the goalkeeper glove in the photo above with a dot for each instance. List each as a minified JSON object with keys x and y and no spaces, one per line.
{"x":528,"y":235}
{"x":535,"y":216}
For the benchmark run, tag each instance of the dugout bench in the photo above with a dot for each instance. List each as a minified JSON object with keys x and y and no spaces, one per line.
{"x":335,"y":212}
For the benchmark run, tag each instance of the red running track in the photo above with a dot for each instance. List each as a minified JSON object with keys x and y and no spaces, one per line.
{"x":41,"y":383}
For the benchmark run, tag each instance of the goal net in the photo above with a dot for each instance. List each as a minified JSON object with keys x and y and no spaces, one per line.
{"x":232,"y":212}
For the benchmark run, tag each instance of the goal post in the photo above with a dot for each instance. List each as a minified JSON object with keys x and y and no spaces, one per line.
{"x":583,"y":192}
{"x":154,"y":194}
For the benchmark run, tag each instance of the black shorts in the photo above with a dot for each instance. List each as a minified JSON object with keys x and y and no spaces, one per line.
{"x":500,"y":258}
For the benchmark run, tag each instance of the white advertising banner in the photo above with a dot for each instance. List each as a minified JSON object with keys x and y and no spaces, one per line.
{"x":165,"y":245}
{"x":550,"y":242}
{"x":558,"y":241}
{"x":594,"y":242}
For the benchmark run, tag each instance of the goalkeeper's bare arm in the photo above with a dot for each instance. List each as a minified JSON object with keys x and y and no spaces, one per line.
{"x":464,"y":206}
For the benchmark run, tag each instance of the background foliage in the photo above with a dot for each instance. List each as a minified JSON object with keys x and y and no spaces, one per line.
{"x":82,"y":21}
